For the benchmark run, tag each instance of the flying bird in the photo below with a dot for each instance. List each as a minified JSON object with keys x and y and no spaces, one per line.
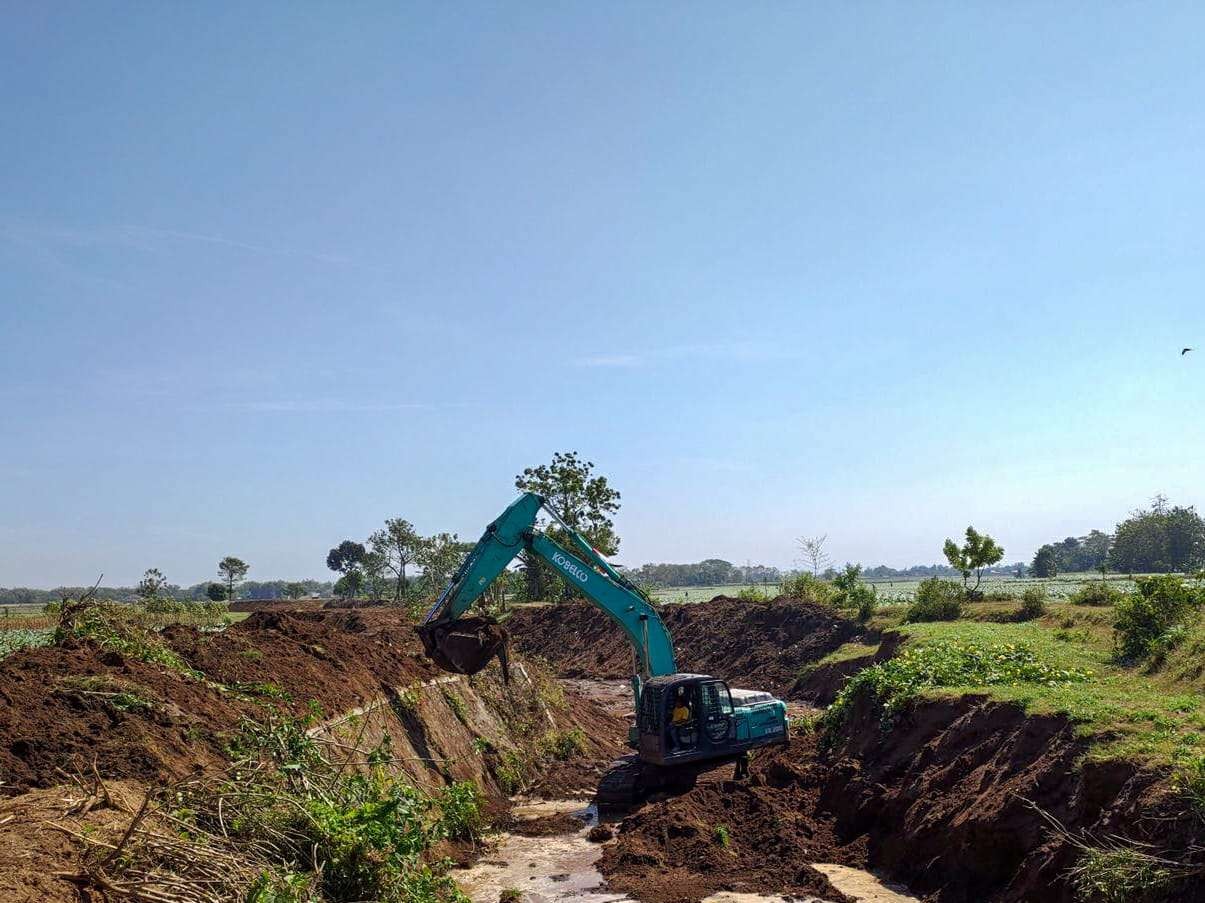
{"x":1185,"y":351}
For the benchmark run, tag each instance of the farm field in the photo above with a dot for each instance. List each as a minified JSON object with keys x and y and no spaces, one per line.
{"x":1060,"y":587}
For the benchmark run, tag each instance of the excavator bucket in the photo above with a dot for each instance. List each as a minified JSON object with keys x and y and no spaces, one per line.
{"x":465,"y":645}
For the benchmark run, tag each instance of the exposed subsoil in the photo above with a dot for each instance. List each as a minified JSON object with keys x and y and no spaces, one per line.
{"x":762,"y":646}
{"x":749,"y":836}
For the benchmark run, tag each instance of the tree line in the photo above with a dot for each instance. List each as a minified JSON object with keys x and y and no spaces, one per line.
{"x":1161,"y":539}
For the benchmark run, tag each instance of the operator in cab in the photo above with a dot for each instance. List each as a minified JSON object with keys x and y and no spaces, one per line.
{"x":681,"y":713}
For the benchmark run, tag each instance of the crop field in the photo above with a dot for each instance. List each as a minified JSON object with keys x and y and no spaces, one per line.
{"x":1061,"y":587}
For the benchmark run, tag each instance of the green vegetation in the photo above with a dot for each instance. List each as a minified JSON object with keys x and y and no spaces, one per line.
{"x":23,"y":638}
{"x":721,"y":835}
{"x":936,"y":600}
{"x":1033,"y":603}
{"x":809,"y":588}
{"x":1154,"y":620}
{"x":1147,"y":716}
{"x":456,"y":704}
{"x":510,"y":895}
{"x":1096,"y":592}
{"x":117,"y":628}
{"x":946,"y":663}
{"x":1117,"y":873}
{"x":343,"y":833}
{"x":976,"y":553}
{"x":563,"y":744}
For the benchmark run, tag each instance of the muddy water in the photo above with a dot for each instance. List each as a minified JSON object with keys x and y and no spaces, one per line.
{"x":564,"y":868}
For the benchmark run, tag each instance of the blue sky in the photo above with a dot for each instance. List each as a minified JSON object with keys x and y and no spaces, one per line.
{"x":269,"y":275}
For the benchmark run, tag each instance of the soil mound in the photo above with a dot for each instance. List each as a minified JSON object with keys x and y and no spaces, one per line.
{"x":339,"y":658}
{"x":761,"y":645}
{"x":276,"y":605}
{"x":750,"y":836}
{"x":63,"y":709}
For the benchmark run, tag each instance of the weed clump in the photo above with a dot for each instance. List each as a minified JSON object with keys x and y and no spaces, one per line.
{"x":809,"y":588}
{"x":894,"y":684}
{"x":1096,"y":592}
{"x":936,"y":600}
{"x":563,"y":745}
{"x":1033,"y":603}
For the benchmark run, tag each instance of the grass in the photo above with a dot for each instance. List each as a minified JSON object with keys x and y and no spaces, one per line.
{"x":1124,"y":712}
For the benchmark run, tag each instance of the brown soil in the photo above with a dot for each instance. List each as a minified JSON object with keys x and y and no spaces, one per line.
{"x":749,"y":836}
{"x":546,"y":825}
{"x":59,"y":714}
{"x":277,"y":605}
{"x":946,"y":802}
{"x":763,"y":646}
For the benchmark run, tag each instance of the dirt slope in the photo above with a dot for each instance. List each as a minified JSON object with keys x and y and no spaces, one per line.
{"x":750,"y":644}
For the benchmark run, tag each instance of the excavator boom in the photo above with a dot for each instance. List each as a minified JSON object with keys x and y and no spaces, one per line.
{"x":466,"y":645}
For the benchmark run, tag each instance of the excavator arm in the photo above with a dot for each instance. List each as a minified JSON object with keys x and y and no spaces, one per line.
{"x":466,"y":645}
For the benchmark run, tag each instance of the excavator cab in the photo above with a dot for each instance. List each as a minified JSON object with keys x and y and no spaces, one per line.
{"x":691,"y":717}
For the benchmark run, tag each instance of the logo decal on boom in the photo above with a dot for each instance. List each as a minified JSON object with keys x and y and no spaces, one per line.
{"x":569,"y":567}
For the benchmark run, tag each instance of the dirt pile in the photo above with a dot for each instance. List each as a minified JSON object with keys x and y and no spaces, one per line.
{"x":752,"y":644}
{"x":750,"y":836}
{"x":63,"y":709}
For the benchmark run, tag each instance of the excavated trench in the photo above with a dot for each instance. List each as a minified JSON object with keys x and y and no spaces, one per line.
{"x":947,"y":803}
{"x":956,"y":800}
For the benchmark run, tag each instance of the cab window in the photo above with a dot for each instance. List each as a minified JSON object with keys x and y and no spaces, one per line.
{"x":716,"y":698}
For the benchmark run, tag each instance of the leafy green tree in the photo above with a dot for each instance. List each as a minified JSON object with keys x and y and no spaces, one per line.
{"x":439,"y":557}
{"x":347,"y":559}
{"x":151,"y":585}
{"x":295,"y":590}
{"x":583,"y":500}
{"x":979,"y":551}
{"x":1045,"y":562}
{"x":215,"y":592}
{"x":399,"y":546}
{"x":232,"y":570}
{"x":1160,"y":539}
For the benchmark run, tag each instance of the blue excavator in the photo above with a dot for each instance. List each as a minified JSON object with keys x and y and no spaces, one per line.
{"x":684,"y":723}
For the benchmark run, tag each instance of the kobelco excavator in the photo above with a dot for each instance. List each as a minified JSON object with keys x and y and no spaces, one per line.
{"x":683,"y":722}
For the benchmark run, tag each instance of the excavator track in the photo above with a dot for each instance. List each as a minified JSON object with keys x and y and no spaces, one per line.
{"x":628,"y":781}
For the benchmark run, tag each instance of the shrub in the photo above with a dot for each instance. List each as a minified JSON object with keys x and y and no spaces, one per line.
{"x":1152,"y":620}
{"x":752,"y":594}
{"x":896,"y":682}
{"x":1033,"y":603}
{"x":936,"y":600}
{"x":809,"y":588}
{"x":461,"y":815}
{"x":563,"y":745}
{"x":722,"y":835}
{"x":863,"y":599}
{"x":1096,"y":592}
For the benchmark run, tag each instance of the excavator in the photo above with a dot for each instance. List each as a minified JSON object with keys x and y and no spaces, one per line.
{"x":684,"y":723}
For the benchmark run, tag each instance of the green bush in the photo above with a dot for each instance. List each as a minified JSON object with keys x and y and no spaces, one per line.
{"x":1033,"y":603}
{"x":936,"y":600}
{"x":809,"y":588}
{"x":1152,"y":620}
{"x":1096,"y":592}
{"x":752,"y":594}
{"x":563,"y":745}
{"x":896,"y":682}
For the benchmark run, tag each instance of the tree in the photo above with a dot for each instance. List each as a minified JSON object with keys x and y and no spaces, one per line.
{"x":979,"y":551}
{"x":215,"y":592}
{"x":151,"y":585}
{"x":584,"y":501}
{"x":814,"y":555}
{"x":232,"y":570}
{"x":1045,"y":562}
{"x":439,"y":558}
{"x":295,"y":590}
{"x":398,"y":545}
{"x":1159,"y":539}
{"x":346,"y":559}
